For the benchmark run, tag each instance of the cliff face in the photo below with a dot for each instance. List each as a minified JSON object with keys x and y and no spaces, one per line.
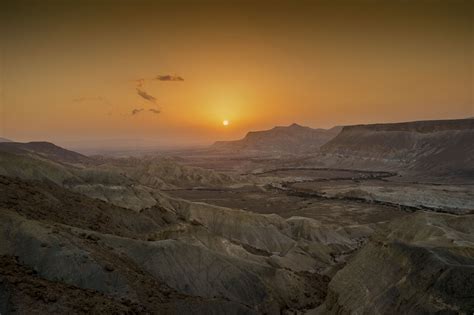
{"x":290,"y":139}
{"x":426,"y":126}
{"x":444,"y":146}
{"x":423,"y":264}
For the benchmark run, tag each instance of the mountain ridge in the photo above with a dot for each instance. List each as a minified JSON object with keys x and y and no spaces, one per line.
{"x":283,"y":139}
{"x":441,"y":146}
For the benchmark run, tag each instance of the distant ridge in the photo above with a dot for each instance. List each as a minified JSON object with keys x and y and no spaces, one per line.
{"x":419,"y":126}
{"x":281,"y":139}
{"x":45,"y":149}
{"x":5,"y":140}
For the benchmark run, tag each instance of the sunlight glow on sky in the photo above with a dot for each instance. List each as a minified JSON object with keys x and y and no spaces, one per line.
{"x":171,"y":72}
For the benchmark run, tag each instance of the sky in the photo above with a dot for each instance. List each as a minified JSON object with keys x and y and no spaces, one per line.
{"x":168,"y":73}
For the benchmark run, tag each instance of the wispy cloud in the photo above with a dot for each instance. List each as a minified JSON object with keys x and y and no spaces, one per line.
{"x":146,"y":96}
{"x":137,"y":110}
{"x":161,"y":77}
{"x":151,"y":110}
{"x":139,"y":85}
{"x":168,"y":77}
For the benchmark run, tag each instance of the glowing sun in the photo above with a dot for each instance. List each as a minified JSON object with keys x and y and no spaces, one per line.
{"x":225,"y":122}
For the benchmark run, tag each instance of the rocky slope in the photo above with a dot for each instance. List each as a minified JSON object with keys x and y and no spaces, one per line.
{"x":292,"y":139}
{"x":165,"y":173}
{"x":128,"y":182}
{"x":445,"y":147}
{"x":423,"y":264}
{"x":45,"y":150}
{"x":174,"y":255}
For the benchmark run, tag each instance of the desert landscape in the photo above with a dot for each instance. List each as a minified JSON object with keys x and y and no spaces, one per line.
{"x":237,"y":157}
{"x":326,"y":232}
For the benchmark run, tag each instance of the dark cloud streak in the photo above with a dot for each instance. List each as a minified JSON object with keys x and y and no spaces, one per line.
{"x":168,"y":77}
{"x":146,"y":96}
{"x":137,"y":110}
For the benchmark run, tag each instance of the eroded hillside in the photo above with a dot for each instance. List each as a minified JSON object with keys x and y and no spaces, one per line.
{"x":442,"y":147}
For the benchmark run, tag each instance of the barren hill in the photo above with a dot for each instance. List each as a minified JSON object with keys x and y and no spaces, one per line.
{"x":43,"y":149}
{"x":282,"y":139}
{"x":420,"y":265}
{"x":441,"y":146}
{"x":173,"y":253}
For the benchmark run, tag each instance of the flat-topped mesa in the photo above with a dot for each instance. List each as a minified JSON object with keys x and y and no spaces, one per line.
{"x":442,"y":146}
{"x":425,"y":126}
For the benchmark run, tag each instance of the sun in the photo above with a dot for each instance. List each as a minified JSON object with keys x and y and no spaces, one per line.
{"x":225,"y":122}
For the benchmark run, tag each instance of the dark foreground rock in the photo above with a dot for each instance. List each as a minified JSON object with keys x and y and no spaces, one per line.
{"x":420,"y":265}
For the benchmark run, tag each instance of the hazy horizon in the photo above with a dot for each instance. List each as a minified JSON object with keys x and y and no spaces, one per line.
{"x":143,"y":145}
{"x":169,"y":73}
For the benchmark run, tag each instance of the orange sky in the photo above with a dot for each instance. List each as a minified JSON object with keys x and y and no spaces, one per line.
{"x":69,"y":69}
